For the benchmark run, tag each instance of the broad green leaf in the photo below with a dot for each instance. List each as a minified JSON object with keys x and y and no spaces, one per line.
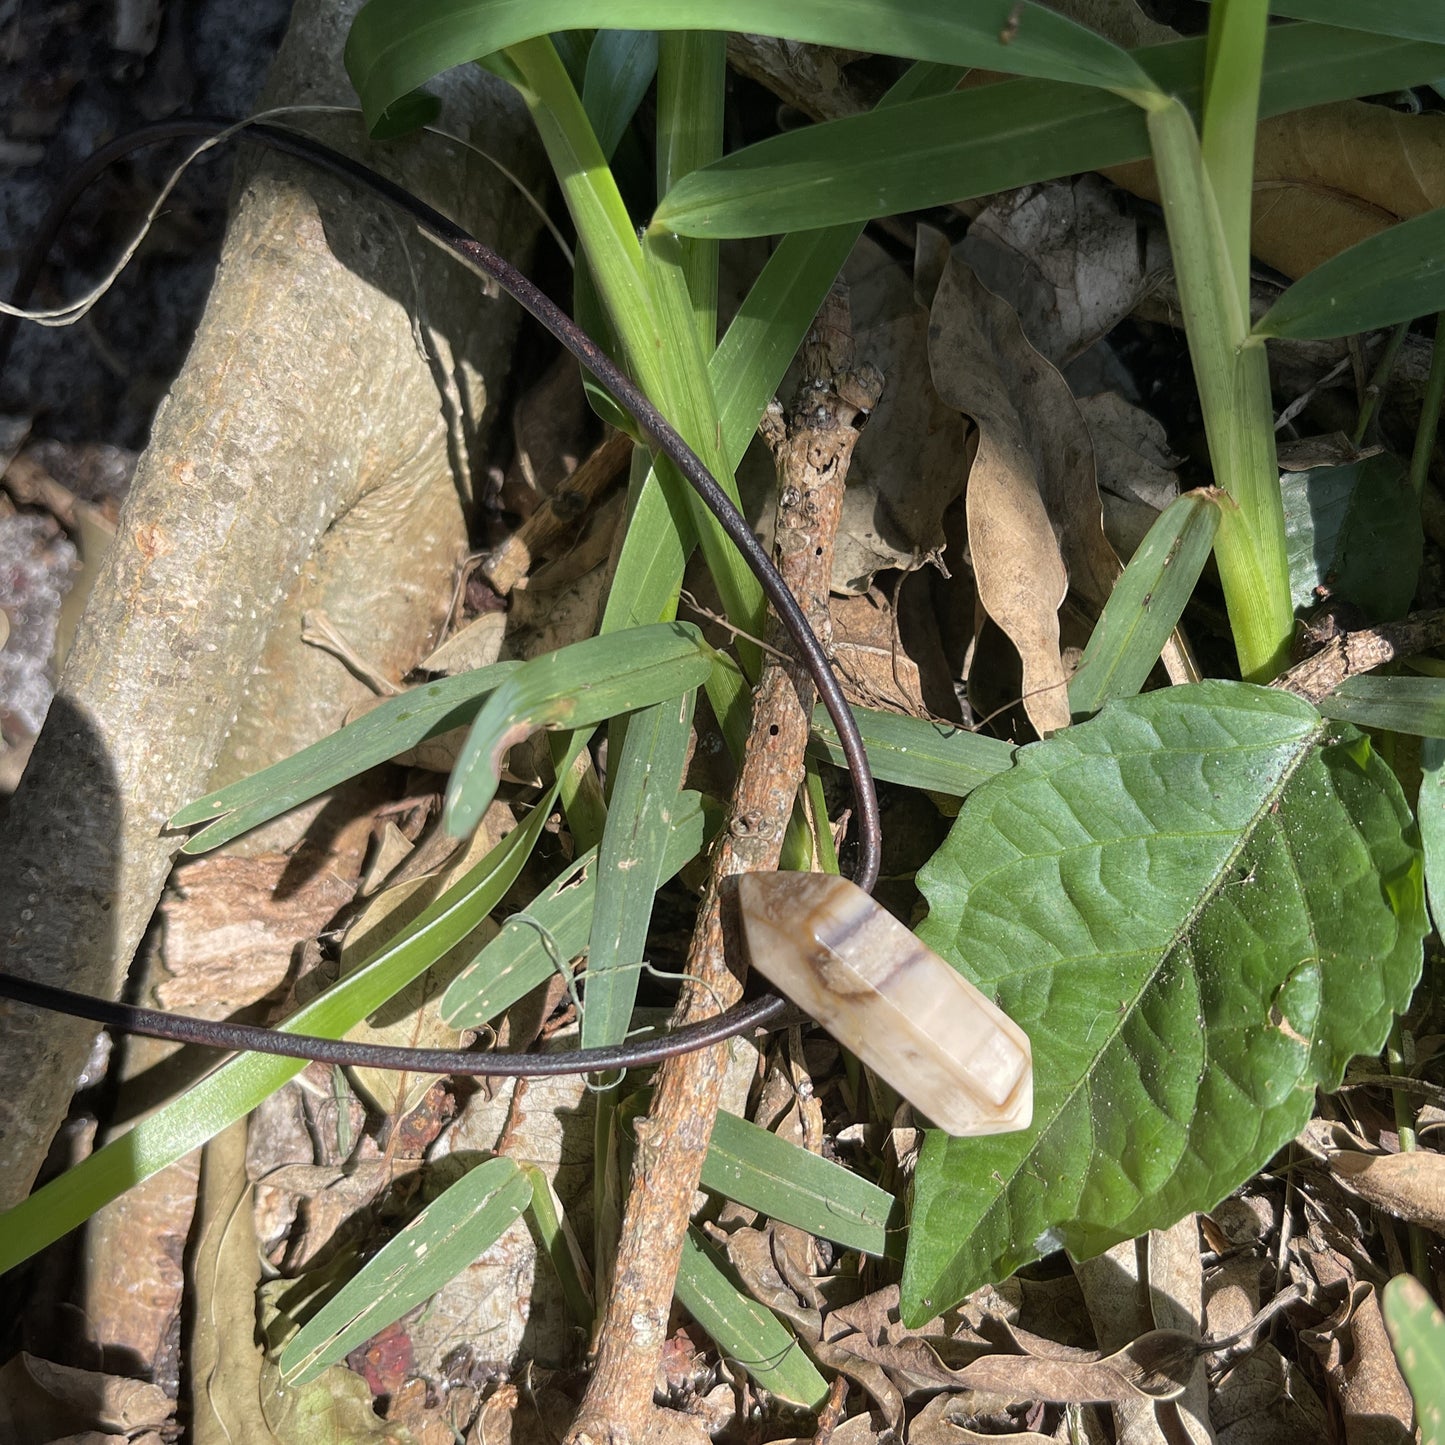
{"x":1393,"y":276}
{"x":1414,"y":705}
{"x":1200,"y":906}
{"x":235,"y":1088}
{"x":390,"y":728}
{"x":936,"y":151}
{"x":938,"y":757}
{"x":573,"y":687}
{"x":632,"y":857}
{"x":620,"y":67}
{"x":553,"y":929}
{"x":1147,"y":602}
{"x":1354,"y":532}
{"x":1417,"y":1331}
{"x":784,"y":1181}
{"x":394,"y":46}
{"x":1430,"y":812}
{"x":411,"y":1266}
{"x":746,"y":1332}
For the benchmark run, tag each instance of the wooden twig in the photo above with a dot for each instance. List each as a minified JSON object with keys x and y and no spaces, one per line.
{"x":812,"y":459}
{"x":1350,"y":653}
{"x":508,"y":564}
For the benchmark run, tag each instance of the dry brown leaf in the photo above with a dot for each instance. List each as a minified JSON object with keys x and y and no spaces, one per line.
{"x":1410,"y":1186}
{"x":1329,"y":177}
{"x":40,"y":1400}
{"x":936,"y":1424}
{"x":750,"y":1251}
{"x":1154,"y":1367}
{"x":1360,"y":1366}
{"x":1032,"y":472}
{"x":478,"y":644}
{"x":875,"y":670}
{"x":1068,"y":258}
{"x":905,"y":469}
{"x":1267,"y":1400}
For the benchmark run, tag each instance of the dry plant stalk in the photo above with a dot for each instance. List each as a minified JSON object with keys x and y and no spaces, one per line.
{"x":812,"y":462}
{"x":1348,"y":654}
{"x":506,"y":566}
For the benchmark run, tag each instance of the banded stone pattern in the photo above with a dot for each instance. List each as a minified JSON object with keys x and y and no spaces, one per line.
{"x":948,"y":1049}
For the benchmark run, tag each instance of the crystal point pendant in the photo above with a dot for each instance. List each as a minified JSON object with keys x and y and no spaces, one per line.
{"x":949,"y":1050}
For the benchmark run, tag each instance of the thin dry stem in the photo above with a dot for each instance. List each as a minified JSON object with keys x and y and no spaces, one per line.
{"x":813,"y":461}
{"x":559,"y":514}
{"x":1349,"y":654}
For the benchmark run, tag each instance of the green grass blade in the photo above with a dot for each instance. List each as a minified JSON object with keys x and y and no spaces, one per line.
{"x":648,"y":779}
{"x":784,"y":1181}
{"x":1394,"y":276}
{"x":939,"y":757}
{"x":1430,"y":812}
{"x":235,"y":1088}
{"x":392,"y":49}
{"x":1408,"y":19}
{"x":574,"y":687}
{"x":939,"y":150}
{"x":1147,"y":602}
{"x":1414,"y":705}
{"x":1234,"y":395}
{"x":556,"y":1242}
{"x":390,"y":728}
{"x":748,"y":366}
{"x":746,"y":1332}
{"x":620,"y":67}
{"x":691,"y":90}
{"x":413,"y":1265}
{"x":1231,"y":109}
{"x":553,"y":929}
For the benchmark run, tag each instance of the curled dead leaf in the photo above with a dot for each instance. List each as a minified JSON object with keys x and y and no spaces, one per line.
{"x":1410,"y":1186}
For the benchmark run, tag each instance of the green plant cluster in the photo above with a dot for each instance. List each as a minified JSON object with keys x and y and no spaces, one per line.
{"x":1200,"y":902}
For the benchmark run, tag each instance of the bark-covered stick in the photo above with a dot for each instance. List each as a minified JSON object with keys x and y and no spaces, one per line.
{"x":812,"y":459}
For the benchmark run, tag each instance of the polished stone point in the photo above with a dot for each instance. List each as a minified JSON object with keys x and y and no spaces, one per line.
{"x":948,"y":1049}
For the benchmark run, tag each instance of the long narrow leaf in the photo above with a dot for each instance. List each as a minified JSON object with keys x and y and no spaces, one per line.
{"x":1147,"y":602}
{"x":632,"y":859}
{"x":1393,"y":276}
{"x":919,"y":754}
{"x":393,"y":49}
{"x":1430,"y":813}
{"x":1414,"y":705}
{"x":390,"y":728}
{"x":553,"y":929}
{"x":936,"y":151}
{"x":413,"y":1265}
{"x":747,"y":1333}
{"x":784,"y":1181}
{"x":234,"y":1089}
{"x":1408,"y":19}
{"x":620,"y":67}
{"x":573,"y":687}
